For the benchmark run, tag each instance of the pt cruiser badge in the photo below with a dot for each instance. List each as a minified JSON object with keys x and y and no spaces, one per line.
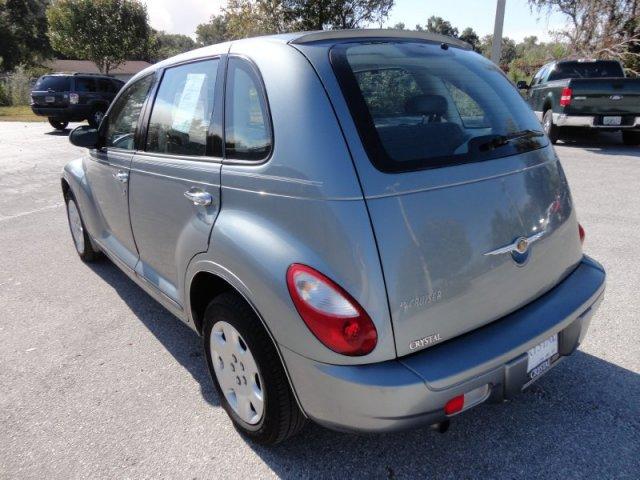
{"x":519,"y":249}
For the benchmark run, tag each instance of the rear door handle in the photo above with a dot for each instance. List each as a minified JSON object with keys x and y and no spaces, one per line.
{"x":199,"y":197}
{"x":121,"y":176}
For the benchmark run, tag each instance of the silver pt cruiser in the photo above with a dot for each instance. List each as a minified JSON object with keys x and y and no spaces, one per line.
{"x":368,"y":228}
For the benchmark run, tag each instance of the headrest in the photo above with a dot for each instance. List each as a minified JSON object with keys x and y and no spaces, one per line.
{"x":426,"y":105}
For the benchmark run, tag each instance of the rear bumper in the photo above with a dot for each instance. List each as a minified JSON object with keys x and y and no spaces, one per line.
{"x":413,"y":390}
{"x":563,"y":120}
{"x":71,"y":114}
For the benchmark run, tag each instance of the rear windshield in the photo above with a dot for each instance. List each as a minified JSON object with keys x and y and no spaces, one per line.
{"x":55,"y":84}
{"x":417,"y":105}
{"x":602,"y":69}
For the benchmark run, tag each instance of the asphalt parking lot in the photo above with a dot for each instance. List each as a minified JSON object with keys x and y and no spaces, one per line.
{"x":98,"y":381}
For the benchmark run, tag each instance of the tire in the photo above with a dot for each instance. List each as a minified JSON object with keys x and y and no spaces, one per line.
{"x":550,"y":128}
{"x":237,"y":343}
{"x":631,"y":138}
{"x":58,"y":124}
{"x":79,"y":235}
{"x":96,"y":117}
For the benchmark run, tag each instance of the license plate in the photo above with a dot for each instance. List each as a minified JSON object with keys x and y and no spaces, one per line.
{"x":611,"y":120}
{"x":540,"y":357}
{"x":49,"y":99}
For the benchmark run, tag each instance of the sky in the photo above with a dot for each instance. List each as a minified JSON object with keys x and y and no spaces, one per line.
{"x":182,"y":16}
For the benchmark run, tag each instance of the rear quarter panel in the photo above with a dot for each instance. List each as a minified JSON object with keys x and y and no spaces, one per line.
{"x":303,"y":205}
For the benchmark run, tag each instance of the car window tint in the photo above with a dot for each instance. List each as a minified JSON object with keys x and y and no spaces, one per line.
{"x":599,"y":69}
{"x":182,"y":109}
{"x":247,"y":124}
{"x":418,"y":106}
{"x":85,"y":84}
{"x":53,"y":83}
{"x":123,"y":117}
{"x":106,"y":86}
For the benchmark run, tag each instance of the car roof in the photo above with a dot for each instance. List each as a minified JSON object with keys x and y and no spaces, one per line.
{"x":302,"y":38}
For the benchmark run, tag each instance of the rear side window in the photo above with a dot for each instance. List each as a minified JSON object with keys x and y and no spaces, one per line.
{"x":56,"y":84}
{"x":85,"y":84}
{"x":247,"y":123}
{"x":418,"y":106}
{"x":123,"y":117}
{"x":600,"y":69}
{"x":183,"y":109}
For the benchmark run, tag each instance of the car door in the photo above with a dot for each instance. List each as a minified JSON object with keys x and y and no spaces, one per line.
{"x":107,"y":172}
{"x":174,"y":193}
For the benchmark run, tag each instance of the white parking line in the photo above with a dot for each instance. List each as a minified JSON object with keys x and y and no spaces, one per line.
{"x":23,"y":214}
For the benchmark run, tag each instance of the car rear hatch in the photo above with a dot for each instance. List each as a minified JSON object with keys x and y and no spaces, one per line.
{"x":51,"y":91}
{"x":456,"y":176}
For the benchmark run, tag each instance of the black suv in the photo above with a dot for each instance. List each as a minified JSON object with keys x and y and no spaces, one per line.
{"x":73,"y":97}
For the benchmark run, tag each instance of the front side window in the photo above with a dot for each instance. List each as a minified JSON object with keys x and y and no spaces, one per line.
{"x":123,"y":117}
{"x":182,"y":110}
{"x":419,"y":106}
{"x":247,"y":123}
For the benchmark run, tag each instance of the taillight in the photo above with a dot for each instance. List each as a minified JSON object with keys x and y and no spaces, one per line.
{"x":565,"y":97}
{"x":74,"y":98}
{"x":331,"y":314}
{"x":454,"y":405}
{"x":581,"y":233}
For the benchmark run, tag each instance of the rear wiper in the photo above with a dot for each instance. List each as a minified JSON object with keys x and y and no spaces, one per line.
{"x":494,"y":141}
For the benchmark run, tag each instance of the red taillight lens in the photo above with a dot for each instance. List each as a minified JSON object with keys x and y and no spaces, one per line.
{"x":565,"y":97}
{"x":331,"y":314}
{"x":454,"y":405}
{"x":581,"y":233}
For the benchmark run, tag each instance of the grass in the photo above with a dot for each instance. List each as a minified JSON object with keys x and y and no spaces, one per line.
{"x":21,"y":113}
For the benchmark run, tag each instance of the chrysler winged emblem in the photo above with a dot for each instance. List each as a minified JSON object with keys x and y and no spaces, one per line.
{"x":519,"y":249}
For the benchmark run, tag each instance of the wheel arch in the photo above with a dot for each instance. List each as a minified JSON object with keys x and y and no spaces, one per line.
{"x":206,"y":280}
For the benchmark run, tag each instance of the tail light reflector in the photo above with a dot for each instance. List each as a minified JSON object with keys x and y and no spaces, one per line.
{"x":74,"y":98}
{"x":454,"y":405}
{"x":565,"y":97}
{"x":582,"y":233}
{"x":332,"y":315}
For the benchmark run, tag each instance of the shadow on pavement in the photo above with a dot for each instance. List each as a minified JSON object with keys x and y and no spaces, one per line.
{"x":581,"y":420}
{"x":59,"y":133}
{"x":183,"y":343}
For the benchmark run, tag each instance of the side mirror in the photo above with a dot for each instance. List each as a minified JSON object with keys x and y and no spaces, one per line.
{"x":84,"y":136}
{"x":522,"y":85}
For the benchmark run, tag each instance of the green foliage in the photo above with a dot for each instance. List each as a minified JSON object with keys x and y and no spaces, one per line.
{"x":18,"y":87}
{"x":23,"y":32}
{"x":106,"y":32}
{"x":386,"y":91}
{"x":249,"y":18}
{"x":4,"y":95}
{"x":605,"y":29}
{"x":215,"y":31}
{"x":471,"y":37}
{"x":165,"y":45}
{"x":440,"y":26}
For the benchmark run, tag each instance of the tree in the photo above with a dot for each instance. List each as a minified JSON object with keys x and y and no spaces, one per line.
{"x":471,"y":37}
{"x":324,"y":14}
{"x":599,"y":28}
{"x":23,"y":32}
{"x":165,"y":45}
{"x":107,"y":32}
{"x":250,"y":18}
{"x":508,"y":53}
{"x":398,"y":26}
{"x":441,"y":26}
{"x":215,"y":31}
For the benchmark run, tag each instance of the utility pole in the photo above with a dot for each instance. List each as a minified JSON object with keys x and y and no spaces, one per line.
{"x":497,"y":32}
